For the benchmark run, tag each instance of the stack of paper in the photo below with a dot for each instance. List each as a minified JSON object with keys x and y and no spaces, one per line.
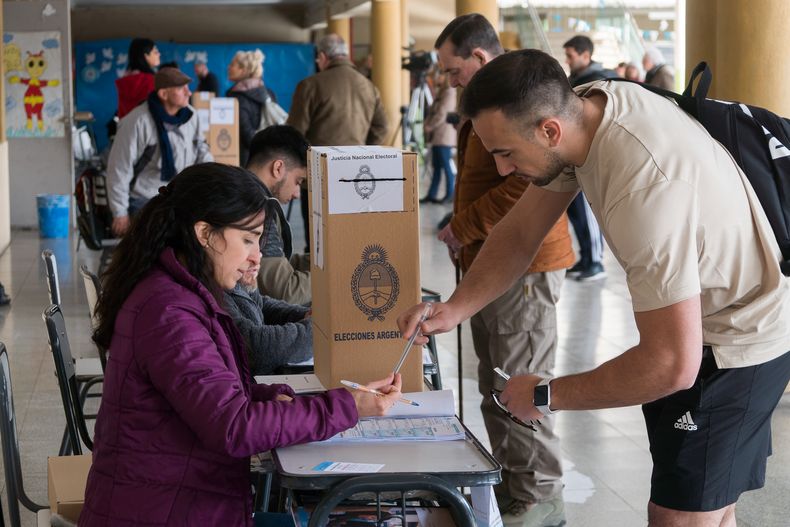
{"x":433,"y":420}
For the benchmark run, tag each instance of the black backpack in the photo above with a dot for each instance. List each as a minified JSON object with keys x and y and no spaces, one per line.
{"x":94,"y":219}
{"x":759,"y":141}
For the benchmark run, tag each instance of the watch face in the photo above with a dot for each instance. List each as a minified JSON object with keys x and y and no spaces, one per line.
{"x":541,"y":397}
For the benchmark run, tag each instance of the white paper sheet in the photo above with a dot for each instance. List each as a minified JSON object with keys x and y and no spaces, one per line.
{"x":485,"y":507}
{"x":364,"y":179}
{"x":203,"y":119}
{"x":301,"y":383}
{"x":317,"y":231}
{"x":222,"y":110}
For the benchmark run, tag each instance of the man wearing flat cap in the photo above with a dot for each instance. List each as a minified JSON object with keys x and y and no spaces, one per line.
{"x":155,"y":141}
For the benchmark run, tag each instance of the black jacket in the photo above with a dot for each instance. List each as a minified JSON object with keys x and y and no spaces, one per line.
{"x":276,"y":332}
{"x":593,"y":72}
{"x":250,"y":103}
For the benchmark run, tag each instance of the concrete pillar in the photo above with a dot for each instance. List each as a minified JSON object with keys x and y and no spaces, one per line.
{"x":340,"y":26}
{"x":487,"y":8}
{"x":753,"y":68}
{"x":385,"y":32}
{"x":404,"y":38}
{"x":510,"y":40}
{"x":700,"y":35}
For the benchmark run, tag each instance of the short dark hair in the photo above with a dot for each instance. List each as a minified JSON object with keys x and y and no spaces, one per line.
{"x":468,"y":32}
{"x":580,"y":43}
{"x":526,"y":85}
{"x":278,"y":141}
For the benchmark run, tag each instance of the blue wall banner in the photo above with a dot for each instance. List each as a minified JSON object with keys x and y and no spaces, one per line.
{"x":99,"y":63}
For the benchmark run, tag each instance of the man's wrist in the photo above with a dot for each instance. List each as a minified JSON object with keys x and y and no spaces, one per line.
{"x":542,"y":397}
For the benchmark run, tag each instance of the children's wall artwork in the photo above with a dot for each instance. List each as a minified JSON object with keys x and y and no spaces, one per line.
{"x":33,"y":84}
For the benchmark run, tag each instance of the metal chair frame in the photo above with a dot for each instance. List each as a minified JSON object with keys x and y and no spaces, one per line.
{"x":72,"y":394}
{"x":10,"y":443}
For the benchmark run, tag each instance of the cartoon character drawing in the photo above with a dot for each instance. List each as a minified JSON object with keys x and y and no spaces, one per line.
{"x":35,"y":64}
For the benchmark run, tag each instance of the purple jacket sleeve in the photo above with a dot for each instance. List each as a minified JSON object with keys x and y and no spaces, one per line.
{"x":267,"y":392}
{"x":174,"y":348}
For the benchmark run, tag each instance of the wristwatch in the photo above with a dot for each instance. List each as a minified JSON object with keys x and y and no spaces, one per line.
{"x":542,"y":397}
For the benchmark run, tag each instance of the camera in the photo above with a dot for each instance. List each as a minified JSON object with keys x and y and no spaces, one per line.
{"x":419,"y":61}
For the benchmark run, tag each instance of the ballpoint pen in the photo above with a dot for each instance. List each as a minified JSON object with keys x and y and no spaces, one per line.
{"x":362,"y":388}
{"x":425,"y":313}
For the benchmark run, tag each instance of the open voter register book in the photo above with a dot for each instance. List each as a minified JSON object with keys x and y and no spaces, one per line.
{"x":433,"y":420}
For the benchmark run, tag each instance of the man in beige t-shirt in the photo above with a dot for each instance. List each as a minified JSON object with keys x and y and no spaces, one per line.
{"x":710,"y":303}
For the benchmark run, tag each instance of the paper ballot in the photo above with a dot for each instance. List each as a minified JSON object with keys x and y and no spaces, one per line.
{"x":433,"y":420}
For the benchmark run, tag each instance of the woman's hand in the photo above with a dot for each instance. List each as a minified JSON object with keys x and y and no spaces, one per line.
{"x":369,"y":404}
{"x":283,"y":397}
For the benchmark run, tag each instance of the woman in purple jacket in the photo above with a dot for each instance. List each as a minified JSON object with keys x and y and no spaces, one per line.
{"x":179,"y":416}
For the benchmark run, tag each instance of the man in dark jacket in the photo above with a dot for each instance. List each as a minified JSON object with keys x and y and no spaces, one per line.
{"x":276,"y":333}
{"x":207,"y":81}
{"x":578,"y":55}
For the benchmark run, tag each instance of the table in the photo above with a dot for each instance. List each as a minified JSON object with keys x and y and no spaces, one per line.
{"x":437,"y":466}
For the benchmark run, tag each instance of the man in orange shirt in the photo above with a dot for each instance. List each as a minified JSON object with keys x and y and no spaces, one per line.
{"x":518,"y":331}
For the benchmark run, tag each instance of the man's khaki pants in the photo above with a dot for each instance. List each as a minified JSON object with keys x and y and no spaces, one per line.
{"x":518,"y":333}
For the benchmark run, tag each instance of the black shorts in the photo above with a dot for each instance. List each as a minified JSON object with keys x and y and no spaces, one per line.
{"x":710,"y":443}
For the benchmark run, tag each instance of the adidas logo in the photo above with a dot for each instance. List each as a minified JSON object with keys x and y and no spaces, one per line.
{"x":685,"y":423}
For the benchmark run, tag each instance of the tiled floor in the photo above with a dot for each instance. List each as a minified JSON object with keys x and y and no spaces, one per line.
{"x":605,"y":453}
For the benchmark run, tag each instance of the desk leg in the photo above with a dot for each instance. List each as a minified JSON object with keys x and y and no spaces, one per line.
{"x":460,"y":509}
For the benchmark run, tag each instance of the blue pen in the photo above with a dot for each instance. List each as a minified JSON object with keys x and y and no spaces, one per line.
{"x":363,"y":388}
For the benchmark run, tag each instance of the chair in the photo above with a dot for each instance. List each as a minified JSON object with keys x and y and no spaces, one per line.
{"x":11,"y":460}
{"x":92,"y":292}
{"x":72,"y":393}
{"x":51,"y":265}
{"x":87,"y":367}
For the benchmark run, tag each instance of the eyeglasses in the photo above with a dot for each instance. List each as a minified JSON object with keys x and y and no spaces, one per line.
{"x":530,"y":424}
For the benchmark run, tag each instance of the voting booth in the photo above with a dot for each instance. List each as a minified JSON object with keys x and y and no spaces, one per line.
{"x":365,"y":262}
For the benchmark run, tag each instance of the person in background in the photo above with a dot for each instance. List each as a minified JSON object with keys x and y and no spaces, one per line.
{"x":246,"y":72}
{"x":154,"y":142}
{"x":276,"y":333}
{"x":578,"y":56}
{"x":137,"y":81}
{"x":180,"y":416}
{"x":278,"y":156}
{"x":633,"y":73}
{"x":516,"y":331}
{"x":657,"y":72}
{"x":336,"y":106}
{"x":620,"y":69}
{"x":443,"y":137}
{"x":207,"y":81}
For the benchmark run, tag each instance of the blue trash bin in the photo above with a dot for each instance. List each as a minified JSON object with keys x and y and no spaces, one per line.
{"x":53,"y":215}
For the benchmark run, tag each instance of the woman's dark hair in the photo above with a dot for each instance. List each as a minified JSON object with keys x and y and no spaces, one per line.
{"x":221,"y":195}
{"x":138,"y":49}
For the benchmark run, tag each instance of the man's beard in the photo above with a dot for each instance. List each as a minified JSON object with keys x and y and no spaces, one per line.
{"x":277,"y":188}
{"x":556,"y":165}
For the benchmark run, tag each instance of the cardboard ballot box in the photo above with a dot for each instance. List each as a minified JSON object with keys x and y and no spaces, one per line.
{"x":201,"y":102}
{"x":67,"y":476}
{"x":223,"y":131}
{"x":365,"y":262}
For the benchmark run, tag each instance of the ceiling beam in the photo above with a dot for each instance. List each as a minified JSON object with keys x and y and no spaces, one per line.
{"x":316,"y":11}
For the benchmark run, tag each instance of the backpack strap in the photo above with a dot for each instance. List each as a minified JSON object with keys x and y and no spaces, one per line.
{"x":690,"y":101}
{"x":141,"y":163}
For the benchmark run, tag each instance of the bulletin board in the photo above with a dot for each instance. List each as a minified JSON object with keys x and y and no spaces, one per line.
{"x":99,"y":63}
